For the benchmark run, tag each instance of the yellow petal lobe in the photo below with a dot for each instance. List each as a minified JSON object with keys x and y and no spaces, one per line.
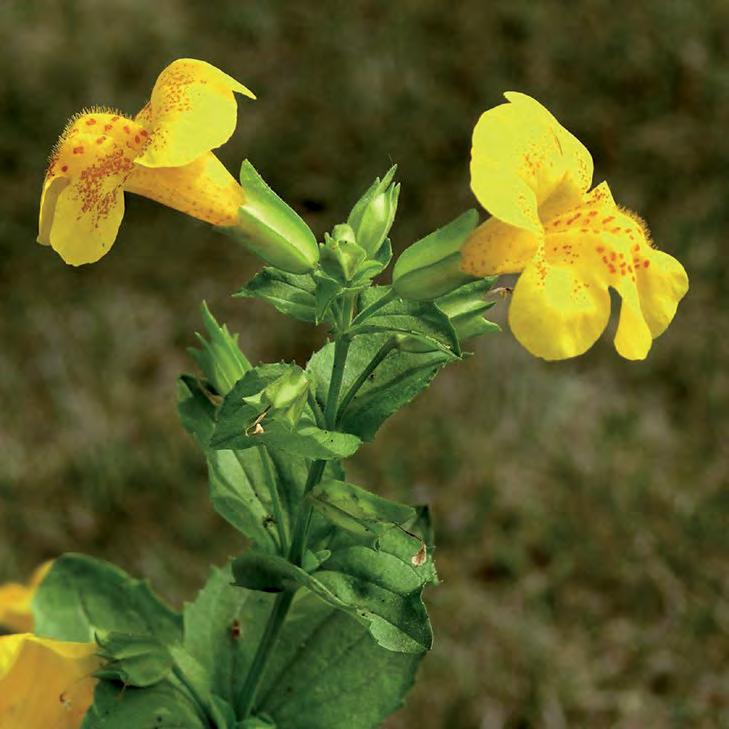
{"x":203,"y":189}
{"x":607,"y":247}
{"x":16,"y":601}
{"x":555,"y":313}
{"x":192,"y":110}
{"x":45,"y":684}
{"x":82,"y":203}
{"x":520,"y":155}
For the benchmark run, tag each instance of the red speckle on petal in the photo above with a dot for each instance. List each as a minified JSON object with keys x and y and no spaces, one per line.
{"x":646,"y":263}
{"x":78,"y":150}
{"x":64,"y":168}
{"x":90,"y":122}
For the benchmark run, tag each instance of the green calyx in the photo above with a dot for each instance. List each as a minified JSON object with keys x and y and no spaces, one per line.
{"x":219,"y":356}
{"x":271,"y":229}
{"x":431,"y":267}
{"x":373,"y":214}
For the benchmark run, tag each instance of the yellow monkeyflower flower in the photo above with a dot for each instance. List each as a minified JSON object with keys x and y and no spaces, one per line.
{"x":569,"y":244}
{"x":164,"y":153}
{"x":45,"y":684}
{"x":16,"y":600}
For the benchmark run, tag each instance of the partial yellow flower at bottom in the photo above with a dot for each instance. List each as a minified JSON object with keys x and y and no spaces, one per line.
{"x":163,"y":153}
{"x":16,"y":601}
{"x":45,"y":684}
{"x":569,"y":245}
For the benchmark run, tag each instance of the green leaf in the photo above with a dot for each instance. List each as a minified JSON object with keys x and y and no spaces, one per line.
{"x":167,"y":705}
{"x":397,"y":380}
{"x":325,"y":670}
{"x":355,"y":508}
{"x":415,"y":318}
{"x":291,"y":294}
{"x":242,"y":424}
{"x":374,"y":587}
{"x":240,"y":481}
{"x":465,"y":307}
{"x":328,"y":673}
{"x":255,"y":722}
{"x":134,"y":660}
{"x":223,"y":627}
{"x":196,"y":406}
{"x":327,"y":290}
{"x":82,"y":595}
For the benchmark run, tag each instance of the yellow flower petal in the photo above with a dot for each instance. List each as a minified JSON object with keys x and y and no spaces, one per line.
{"x":633,"y":338}
{"x":495,"y":248}
{"x":555,"y":313}
{"x":661,"y":285}
{"x":16,"y":599}
{"x":82,"y":203}
{"x":576,"y":158}
{"x":608,"y":247}
{"x":45,"y":684}
{"x":520,"y":156}
{"x":192,"y":111}
{"x":203,"y":189}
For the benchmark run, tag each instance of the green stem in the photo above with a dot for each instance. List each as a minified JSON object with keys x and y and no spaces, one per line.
{"x":341,"y":348}
{"x":382,"y":352}
{"x":298,"y":543}
{"x":268,"y":639}
{"x":278,"y":514}
{"x":281,"y":607}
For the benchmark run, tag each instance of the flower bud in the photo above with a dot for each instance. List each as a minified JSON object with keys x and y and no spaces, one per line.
{"x":220,"y":359}
{"x":431,"y":267}
{"x":372,"y":217}
{"x":341,"y":257}
{"x":271,"y":229}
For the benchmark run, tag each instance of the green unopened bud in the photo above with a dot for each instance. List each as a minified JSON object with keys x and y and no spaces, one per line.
{"x":271,"y":229}
{"x":341,"y":257}
{"x":220,"y":358}
{"x":431,"y":267}
{"x":283,"y":399}
{"x":372,"y":217}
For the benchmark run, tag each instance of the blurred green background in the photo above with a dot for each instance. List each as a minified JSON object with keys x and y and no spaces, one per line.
{"x":581,"y":507}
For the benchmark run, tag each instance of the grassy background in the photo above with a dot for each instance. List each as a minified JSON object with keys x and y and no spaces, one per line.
{"x":581,"y":507}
